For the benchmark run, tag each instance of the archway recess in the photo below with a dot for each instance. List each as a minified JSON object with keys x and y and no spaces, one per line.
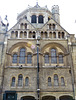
{"x":28,"y":98}
{"x":66,"y":97}
{"x":48,"y":98}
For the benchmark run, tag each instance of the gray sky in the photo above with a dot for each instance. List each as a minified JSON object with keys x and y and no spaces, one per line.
{"x":67,"y":11}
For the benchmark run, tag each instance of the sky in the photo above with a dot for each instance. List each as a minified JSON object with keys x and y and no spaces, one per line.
{"x":67,"y":9}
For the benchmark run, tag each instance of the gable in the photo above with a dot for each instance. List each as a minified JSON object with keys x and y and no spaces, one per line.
{"x":58,"y":27}
{"x":23,"y":21}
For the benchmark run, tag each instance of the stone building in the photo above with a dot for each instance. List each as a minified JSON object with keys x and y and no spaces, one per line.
{"x":37,"y":57}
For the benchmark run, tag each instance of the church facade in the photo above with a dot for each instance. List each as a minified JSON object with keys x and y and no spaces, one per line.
{"x":37,"y":57}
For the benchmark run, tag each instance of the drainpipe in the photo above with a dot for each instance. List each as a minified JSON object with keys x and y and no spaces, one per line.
{"x":38,"y":89}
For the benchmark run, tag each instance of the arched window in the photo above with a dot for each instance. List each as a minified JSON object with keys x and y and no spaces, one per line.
{"x":58,"y":34}
{"x":40,"y":19}
{"x":13,"y":82}
{"x":41,"y":34}
{"x":22,"y":56}
{"x":62,"y":81}
{"x":53,"y":26}
{"x":62,"y":34}
{"x":46,"y":58}
{"x":21,"y":34}
{"x":25,"y":25}
{"x":56,"y":81}
{"x":29,"y":58}
{"x":53,"y":56}
{"x":54,"y":34}
{"x":14,"y":60}
{"x":45,"y":34}
{"x":50,"y":26}
{"x":22,"y":25}
{"x":26,"y":81}
{"x":16,"y":34}
{"x":25,"y":34}
{"x":12,"y":34}
{"x":33,"y":19}
{"x":49,"y":81}
{"x":20,"y":80}
{"x":33,"y":34}
{"x":60,"y":58}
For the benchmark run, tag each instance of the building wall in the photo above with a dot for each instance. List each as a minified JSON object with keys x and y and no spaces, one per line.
{"x":56,"y":38}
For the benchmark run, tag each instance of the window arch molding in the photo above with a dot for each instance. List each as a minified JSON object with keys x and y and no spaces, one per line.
{"x":49,"y":81}
{"x":53,"y":48}
{"x":20,"y":48}
{"x":20,"y":80}
{"x":56,"y":79}
{"x":27,"y":81}
{"x":54,"y":45}
{"x":62,"y":81}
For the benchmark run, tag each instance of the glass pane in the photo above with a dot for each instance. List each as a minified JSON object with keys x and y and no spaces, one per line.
{"x":26,"y":81}
{"x":60,"y":58}
{"x":14,"y":58}
{"x":46,"y":58}
{"x":22,"y":56}
{"x":13,"y":82}
{"x":40,"y":19}
{"x":20,"y":79}
{"x":53,"y":56}
{"x":56,"y":80}
{"x":33,"y":19}
{"x":49,"y":81}
{"x":29,"y":59}
{"x":62,"y":81}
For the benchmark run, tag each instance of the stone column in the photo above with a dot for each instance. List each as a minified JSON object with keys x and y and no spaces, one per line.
{"x":37,"y":19}
{"x":48,"y":34}
{"x":57,"y":35}
{"x":19,"y":26}
{"x":18,"y":34}
{"x":52,"y":35}
{"x":27,"y":34}
{"x":57,"y":98}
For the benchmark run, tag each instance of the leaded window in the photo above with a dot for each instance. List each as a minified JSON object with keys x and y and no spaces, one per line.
{"x":53,"y":56}
{"x":22,"y":56}
{"x":53,"y":26}
{"x":33,"y":19}
{"x":40,"y":19}
{"x":60,"y":58}
{"x":49,"y":81}
{"x":56,"y":81}
{"x":14,"y":60}
{"x":20,"y":80}
{"x":29,"y":58}
{"x":26,"y":81}
{"x":62,"y":81}
{"x":46,"y":58}
{"x":13,"y":82}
